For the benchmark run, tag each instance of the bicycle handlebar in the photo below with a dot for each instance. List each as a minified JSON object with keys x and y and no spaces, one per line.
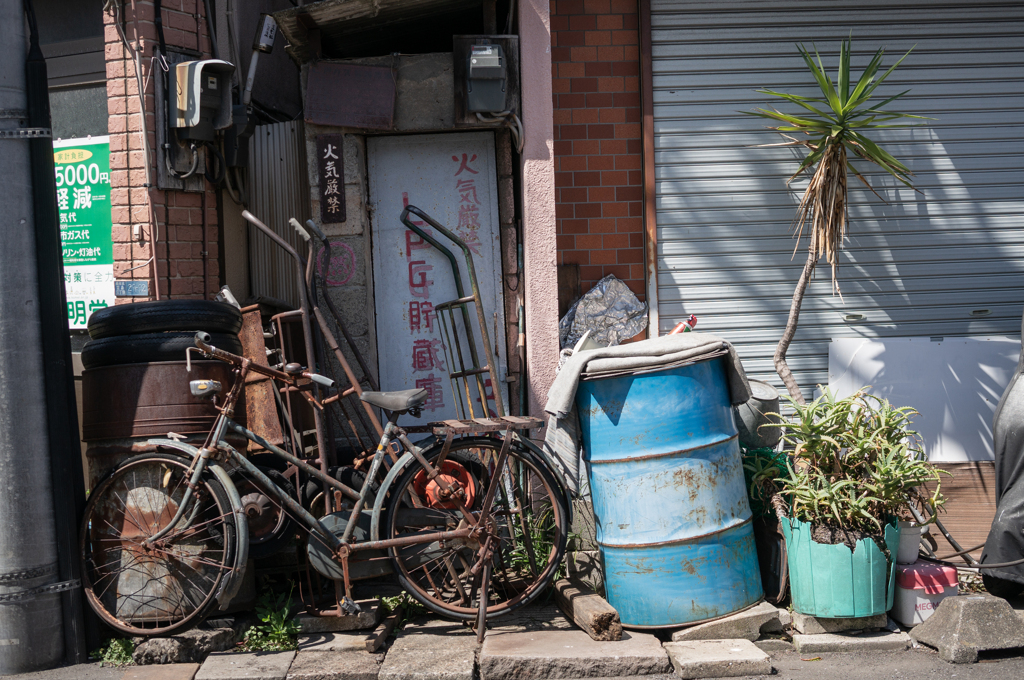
{"x":203,"y":340}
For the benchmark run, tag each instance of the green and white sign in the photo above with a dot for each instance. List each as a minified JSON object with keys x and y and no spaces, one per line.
{"x":82,"y":173}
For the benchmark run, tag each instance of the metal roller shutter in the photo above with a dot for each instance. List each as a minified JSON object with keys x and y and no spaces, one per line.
{"x":925,"y":264}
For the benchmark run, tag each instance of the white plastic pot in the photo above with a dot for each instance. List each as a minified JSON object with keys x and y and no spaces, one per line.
{"x":919,"y":590}
{"x":910,"y":539}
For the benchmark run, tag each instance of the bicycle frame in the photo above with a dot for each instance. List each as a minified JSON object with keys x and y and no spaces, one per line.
{"x":215,"y":448}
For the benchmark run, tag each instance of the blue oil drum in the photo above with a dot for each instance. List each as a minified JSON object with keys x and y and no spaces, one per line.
{"x":666,"y":475}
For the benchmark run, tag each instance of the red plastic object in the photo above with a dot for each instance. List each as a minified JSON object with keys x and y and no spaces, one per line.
{"x":931,"y":578}
{"x":684,"y":326}
{"x":452,"y":472}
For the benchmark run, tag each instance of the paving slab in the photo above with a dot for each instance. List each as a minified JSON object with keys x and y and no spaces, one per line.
{"x":82,"y":671}
{"x":335,"y":666}
{"x":962,"y":626}
{"x":371,"y":614}
{"x":744,"y":625}
{"x":433,"y":650}
{"x":771,"y":645}
{"x":246,"y":666}
{"x":868,"y":642}
{"x":784,"y":621}
{"x":333,"y":642}
{"x":171,"y":671}
{"x":717,"y":658}
{"x":538,"y":617}
{"x":553,"y":654}
{"x":815,"y":625}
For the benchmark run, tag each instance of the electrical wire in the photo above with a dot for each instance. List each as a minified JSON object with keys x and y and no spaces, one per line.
{"x":515,"y":126}
{"x":170,"y":169}
{"x":511,"y":13}
{"x":220,"y":167}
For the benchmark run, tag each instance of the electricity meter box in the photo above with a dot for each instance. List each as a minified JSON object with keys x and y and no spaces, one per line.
{"x":200,"y":98}
{"x":485,"y":79}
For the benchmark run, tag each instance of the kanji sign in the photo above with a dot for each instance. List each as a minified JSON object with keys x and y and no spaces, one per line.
{"x":331,"y":161}
{"x":82,"y":176}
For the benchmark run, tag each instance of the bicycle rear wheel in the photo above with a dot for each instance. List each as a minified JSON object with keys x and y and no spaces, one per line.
{"x":169,"y":586}
{"x":528,"y":523}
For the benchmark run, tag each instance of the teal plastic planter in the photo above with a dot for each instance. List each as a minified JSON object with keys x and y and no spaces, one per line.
{"x":832,"y":582}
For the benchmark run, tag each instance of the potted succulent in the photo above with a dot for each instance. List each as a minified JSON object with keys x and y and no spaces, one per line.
{"x":854,"y":469}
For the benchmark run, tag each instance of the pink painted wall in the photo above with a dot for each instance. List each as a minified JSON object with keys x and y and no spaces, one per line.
{"x":539,"y":248}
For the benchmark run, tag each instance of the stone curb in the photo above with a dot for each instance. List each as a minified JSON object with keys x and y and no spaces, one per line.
{"x":869,"y":642}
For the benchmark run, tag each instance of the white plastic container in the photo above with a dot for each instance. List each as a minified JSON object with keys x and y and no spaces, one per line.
{"x":910,"y":540}
{"x":920,"y":587}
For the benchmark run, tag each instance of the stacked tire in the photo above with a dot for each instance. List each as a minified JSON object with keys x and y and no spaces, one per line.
{"x":145,"y":332}
{"x":135,"y":383}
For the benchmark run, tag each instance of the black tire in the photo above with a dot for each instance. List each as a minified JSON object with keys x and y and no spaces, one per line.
{"x":148,"y":347}
{"x":165,"y":315}
{"x":190,"y":564}
{"x":514,"y":584}
{"x":1001,"y":587}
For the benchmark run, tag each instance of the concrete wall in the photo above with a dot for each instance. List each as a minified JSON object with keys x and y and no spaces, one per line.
{"x":538,"y":201}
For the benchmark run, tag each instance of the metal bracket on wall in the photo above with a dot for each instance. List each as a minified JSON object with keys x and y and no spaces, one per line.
{"x":26,"y":133}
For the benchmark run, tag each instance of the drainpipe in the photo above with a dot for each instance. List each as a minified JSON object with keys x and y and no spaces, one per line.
{"x":31,"y":624}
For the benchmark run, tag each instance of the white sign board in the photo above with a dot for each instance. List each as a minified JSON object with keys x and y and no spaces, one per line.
{"x":452,"y":178}
{"x":955,"y":383}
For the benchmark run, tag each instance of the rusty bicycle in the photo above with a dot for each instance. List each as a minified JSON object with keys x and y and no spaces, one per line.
{"x":474,"y":525}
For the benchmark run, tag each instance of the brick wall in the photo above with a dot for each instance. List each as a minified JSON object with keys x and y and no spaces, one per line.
{"x":179,"y":262}
{"x":598,"y":154}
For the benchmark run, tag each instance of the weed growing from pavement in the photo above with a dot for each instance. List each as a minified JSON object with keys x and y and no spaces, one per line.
{"x":277,"y":630}
{"x":115,"y":652}
{"x":411,"y":608}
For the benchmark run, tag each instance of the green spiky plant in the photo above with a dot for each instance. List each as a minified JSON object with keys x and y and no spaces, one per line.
{"x":832,"y":129}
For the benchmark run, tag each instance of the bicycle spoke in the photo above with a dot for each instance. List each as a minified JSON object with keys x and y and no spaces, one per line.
{"x":151,"y":589}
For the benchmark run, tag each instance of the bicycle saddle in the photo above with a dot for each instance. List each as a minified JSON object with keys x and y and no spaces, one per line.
{"x":401,"y":401}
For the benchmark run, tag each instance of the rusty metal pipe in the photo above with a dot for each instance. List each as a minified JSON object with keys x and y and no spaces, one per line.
{"x":417,"y":539}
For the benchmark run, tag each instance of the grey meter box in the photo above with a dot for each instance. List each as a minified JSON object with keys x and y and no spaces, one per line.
{"x":485,"y":86}
{"x":200,"y":98}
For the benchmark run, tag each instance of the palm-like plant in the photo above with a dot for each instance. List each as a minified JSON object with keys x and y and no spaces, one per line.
{"x":834,"y":131}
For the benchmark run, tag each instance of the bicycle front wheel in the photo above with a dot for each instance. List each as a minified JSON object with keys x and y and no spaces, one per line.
{"x":527,"y":523}
{"x":168,"y":586}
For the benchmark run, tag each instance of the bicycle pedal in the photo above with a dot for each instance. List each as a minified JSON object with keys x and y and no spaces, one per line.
{"x":349,"y":606}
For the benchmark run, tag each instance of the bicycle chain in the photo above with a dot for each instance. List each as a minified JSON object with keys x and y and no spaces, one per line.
{"x":41,"y":590}
{"x":28,"y":574}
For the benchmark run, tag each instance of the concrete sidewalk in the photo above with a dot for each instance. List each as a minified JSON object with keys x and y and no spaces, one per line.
{"x":539,"y":643}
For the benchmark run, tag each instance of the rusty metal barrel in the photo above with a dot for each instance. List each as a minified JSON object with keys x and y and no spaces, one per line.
{"x":125,"y":404}
{"x":672,"y":519}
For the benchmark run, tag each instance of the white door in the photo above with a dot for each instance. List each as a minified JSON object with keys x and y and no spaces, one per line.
{"x":452,"y":178}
